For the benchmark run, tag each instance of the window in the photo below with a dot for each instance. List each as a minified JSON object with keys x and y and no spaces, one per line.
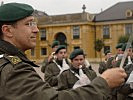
{"x":106,"y":48}
{"x":106,"y":32}
{"x":76,"y":32}
{"x":43,"y":51}
{"x":128,"y":29}
{"x":76,"y":47}
{"x":32,"y":52}
{"x":43,"y":34}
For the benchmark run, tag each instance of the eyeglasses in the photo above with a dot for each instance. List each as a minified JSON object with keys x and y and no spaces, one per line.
{"x":32,"y":24}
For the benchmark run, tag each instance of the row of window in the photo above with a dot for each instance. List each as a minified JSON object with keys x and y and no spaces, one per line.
{"x":44,"y":50}
{"x":106,"y":30}
{"x":76,"y":31}
{"x":42,"y":53}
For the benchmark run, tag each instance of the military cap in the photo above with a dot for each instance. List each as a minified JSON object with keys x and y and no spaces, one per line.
{"x":15,"y":11}
{"x":119,"y":45}
{"x":59,"y":48}
{"x":107,"y":51}
{"x":55,"y":43}
{"x":76,"y":52}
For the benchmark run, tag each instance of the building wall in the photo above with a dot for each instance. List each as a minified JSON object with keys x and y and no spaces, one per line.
{"x":117,"y":29}
{"x":89,"y":32}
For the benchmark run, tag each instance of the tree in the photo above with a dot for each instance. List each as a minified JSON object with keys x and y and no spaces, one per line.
{"x":124,"y":39}
{"x":99,"y":44}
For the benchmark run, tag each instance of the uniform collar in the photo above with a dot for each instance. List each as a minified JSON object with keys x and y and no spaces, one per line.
{"x":8,"y":48}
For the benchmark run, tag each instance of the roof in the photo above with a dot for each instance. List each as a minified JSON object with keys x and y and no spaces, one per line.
{"x":67,"y":18}
{"x":116,"y":12}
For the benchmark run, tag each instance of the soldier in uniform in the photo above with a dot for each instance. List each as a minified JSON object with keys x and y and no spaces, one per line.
{"x":55,"y":68}
{"x":78,"y":75}
{"x":125,"y":92}
{"x":102,"y":65}
{"x":118,"y":50}
{"x":51,"y":57}
{"x":113,"y":60}
{"x":19,"y":80}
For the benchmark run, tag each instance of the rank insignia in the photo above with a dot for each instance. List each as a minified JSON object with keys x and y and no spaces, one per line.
{"x":15,"y":60}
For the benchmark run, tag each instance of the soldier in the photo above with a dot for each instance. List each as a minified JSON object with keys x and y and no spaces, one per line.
{"x":19,"y":80}
{"x":78,"y":75}
{"x":125,"y":92}
{"x":102,"y":65}
{"x":51,"y":57}
{"x":55,"y":68}
{"x":129,"y":58}
{"x":113,"y":60}
{"x":119,"y":51}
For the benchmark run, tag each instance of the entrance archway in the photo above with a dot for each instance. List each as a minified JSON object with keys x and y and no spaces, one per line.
{"x":61,"y":38}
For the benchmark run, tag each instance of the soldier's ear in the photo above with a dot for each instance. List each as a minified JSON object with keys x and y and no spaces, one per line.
{"x":7,"y":30}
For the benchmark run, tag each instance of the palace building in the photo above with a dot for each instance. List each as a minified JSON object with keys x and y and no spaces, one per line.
{"x":81,"y":30}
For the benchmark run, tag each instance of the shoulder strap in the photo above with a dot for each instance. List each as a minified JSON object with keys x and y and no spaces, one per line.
{"x":13,"y":59}
{"x":5,"y":59}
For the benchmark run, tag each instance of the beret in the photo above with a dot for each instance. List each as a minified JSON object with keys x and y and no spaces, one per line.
{"x":106,"y":52}
{"x":15,"y":11}
{"x":119,"y":45}
{"x":59,"y":48}
{"x":76,"y":52}
{"x":55,"y":43}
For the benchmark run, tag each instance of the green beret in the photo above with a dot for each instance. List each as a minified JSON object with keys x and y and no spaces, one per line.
{"x":15,"y":11}
{"x":55,"y":43}
{"x":76,"y":52}
{"x":59,"y":48}
{"x":107,"y":51}
{"x":119,"y":45}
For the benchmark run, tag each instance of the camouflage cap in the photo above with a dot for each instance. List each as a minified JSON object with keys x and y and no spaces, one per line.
{"x":15,"y":11}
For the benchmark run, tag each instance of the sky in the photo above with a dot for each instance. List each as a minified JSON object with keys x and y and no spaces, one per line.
{"x":57,"y":7}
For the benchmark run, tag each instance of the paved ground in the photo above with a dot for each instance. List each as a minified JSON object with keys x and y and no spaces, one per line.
{"x":94,"y":66}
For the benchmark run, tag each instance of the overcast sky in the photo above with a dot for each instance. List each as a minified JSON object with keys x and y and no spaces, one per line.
{"x":56,"y":7}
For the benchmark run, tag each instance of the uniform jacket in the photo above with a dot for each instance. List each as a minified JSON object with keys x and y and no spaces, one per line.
{"x":45,"y":63}
{"x":67,"y":79}
{"x":19,"y":81}
{"x":52,"y":72}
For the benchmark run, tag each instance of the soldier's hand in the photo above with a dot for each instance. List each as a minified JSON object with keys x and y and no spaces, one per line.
{"x":114,"y":77}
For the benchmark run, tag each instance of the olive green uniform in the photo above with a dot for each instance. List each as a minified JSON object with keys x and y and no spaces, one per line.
{"x":67,"y":79}
{"x":19,"y":81}
{"x":45,"y":63}
{"x":52,"y":72}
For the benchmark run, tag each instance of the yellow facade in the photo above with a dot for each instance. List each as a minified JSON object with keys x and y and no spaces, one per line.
{"x":117,"y":29}
{"x":88,"y":33}
{"x":90,"y":30}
